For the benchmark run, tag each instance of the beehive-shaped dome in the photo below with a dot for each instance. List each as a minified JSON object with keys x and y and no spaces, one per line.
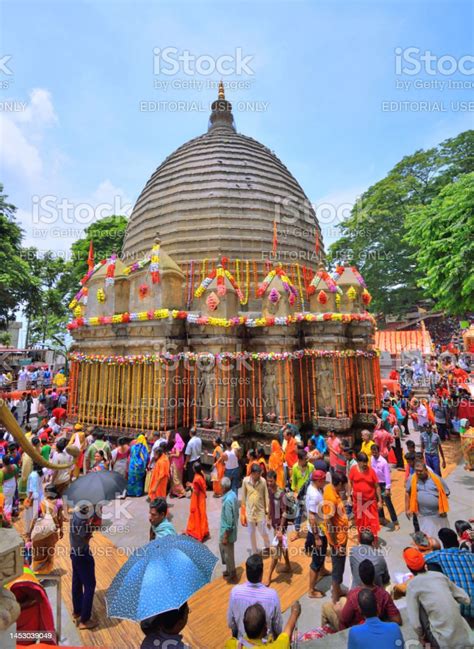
{"x":223,"y":191}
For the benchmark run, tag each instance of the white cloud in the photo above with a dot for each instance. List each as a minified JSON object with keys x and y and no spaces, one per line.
{"x":17,"y":153}
{"x":40,"y":110}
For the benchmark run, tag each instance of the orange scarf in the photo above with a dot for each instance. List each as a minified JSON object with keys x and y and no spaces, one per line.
{"x":443,"y":506}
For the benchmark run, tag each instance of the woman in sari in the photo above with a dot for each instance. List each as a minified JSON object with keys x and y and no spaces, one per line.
{"x":262,"y":462}
{"x":366,"y":496}
{"x":275,"y":463}
{"x":8,"y":479}
{"x":176,"y":456}
{"x":218,"y":468}
{"x":198,"y":526}
{"x":43,"y":547}
{"x":100,"y":462}
{"x":137,"y":467}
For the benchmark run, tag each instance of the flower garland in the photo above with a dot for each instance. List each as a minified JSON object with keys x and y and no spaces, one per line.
{"x":285,"y":280}
{"x":137,"y":265}
{"x":198,"y":319}
{"x":166,"y":357}
{"x":300,"y":286}
{"x":340,"y":269}
{"x":110,"y":272}
{"x":155,"y":264}
{"x":100,"y":295}
{"x":325,"y":277}
{"x":221,"y":273}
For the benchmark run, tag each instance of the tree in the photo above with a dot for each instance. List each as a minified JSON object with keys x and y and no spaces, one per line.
{"x":15,"y":279}
{"x":107,"y":236}
{"x":373,"y":237}
{"x":443,"y":235}
{"x":46,"y":303}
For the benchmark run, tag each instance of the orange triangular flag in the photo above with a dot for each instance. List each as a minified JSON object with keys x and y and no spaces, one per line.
{"x":90,"y":258}
{"x":316,"y":242}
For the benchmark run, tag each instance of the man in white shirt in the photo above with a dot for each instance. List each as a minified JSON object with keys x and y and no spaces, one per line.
{"x":257,"y":507}
{"x":314,"y":502}
{"x":192,"y":454}
{"x":232,"y":468}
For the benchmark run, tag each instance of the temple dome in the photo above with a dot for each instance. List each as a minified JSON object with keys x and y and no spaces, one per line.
{"x":219,"y":194}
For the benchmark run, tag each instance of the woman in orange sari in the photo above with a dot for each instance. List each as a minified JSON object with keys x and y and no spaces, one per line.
{"x":218,"y":468}
{"x":160,"y":475}
{"x":275,"y":463}
{"x":198,"y":526}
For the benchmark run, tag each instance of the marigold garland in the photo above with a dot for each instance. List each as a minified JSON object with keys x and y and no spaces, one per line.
{"x":285,"y":280}
{"x":155,"y":264}
{"x":198,"y":319}
{"x":167,"y":357}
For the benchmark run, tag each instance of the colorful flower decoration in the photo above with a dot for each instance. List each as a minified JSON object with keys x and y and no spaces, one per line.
{"x":155,"y":264}
{"x":322,"y":297}
{"x":366,"y":297}
{"x":340,"y":269}
{"x":221,"y":273}
{"x":143,"y":291}
{"x":274,"y":296}
{"x":167,"y":357}
{"x":338,"y":300}
{"x":285,"y":280}
{"x":198,"y":319}
{"x":212,"y":301}
{"x":77,"y":311}
{"x":351,"y":293}
{"x":100,"y":295}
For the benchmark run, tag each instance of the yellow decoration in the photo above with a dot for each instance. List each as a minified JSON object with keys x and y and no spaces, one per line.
{"x":100,"y":295}
{"x":73,"y":304}
{"x":77,"y":311}
{"x":338,"y":300}
{"x":351,"y":293}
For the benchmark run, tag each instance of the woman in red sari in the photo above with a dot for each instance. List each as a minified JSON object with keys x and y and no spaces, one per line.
{"x":198,"y":526}
{"x":366,"y":495}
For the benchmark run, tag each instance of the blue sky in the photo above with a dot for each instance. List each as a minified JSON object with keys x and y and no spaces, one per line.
{"x":319,"y":74}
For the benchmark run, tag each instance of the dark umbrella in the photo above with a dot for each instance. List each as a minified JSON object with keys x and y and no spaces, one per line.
{"x":96,"y":487}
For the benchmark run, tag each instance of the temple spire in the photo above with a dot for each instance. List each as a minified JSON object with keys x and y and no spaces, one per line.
{"x":221,"y":92}
{"x":221,"y":111}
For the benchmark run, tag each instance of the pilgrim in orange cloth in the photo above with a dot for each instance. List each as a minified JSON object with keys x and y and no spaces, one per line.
{"x":291,"y":450}
{"x":275,"y":463}
{"x":198,"y":526}
{"x":218,"y":468}
{"x":366,"y":496}
{"x":160,"y":475}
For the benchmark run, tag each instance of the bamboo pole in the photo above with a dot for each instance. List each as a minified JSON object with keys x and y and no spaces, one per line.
{"x":303,"y":412}
{"x":315,"y":397}
{"x":260,"y":409}
{"x":308,"y":392}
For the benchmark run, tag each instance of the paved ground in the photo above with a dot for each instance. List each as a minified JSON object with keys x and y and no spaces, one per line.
{"x":126,"y":533}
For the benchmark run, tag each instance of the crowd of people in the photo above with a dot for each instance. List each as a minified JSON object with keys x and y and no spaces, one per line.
{"x":335,"y":493}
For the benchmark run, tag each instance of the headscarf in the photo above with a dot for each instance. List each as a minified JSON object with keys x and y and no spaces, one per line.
{"x":277,"y":457}
{"x":141,"y":439}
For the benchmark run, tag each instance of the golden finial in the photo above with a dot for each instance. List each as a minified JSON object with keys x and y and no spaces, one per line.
{"x":221,"y":93}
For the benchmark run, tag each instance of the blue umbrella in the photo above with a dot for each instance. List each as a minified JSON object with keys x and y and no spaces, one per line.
{"x":159,"y":577}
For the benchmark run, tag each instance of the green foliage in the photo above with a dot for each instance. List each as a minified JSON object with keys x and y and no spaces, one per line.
{"x":443,"y":235}
{"x":45,"y":305}
{"x":15,"y":279}
{"x":373,"y":237}
{"x":107,"y":235}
